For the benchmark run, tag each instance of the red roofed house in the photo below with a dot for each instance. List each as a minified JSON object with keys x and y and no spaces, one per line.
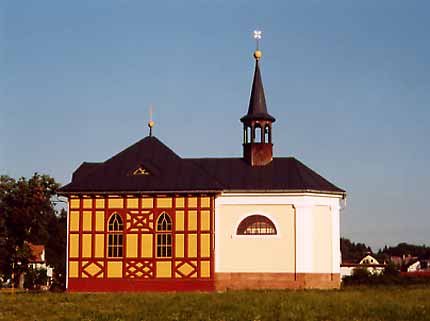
{"x":37,"y":260}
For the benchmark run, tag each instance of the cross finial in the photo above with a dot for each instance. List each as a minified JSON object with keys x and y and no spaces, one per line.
{"x":257,"y":37}
{"x":151,"y":122}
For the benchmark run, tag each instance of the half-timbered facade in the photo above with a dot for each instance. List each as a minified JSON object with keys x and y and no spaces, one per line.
{"x":137,"y":242}
{"x":148,"y":220}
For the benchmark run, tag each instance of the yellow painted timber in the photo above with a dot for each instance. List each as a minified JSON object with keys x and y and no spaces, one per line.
{"x":192,"y":202}
{"x":86,"y":245}
{"x":114,"y":269}
{"x":205,"y":202}
{"x":115,"y":203}
{"x":192,"y":220}
{"x":192,"y":245}
{"x":164,"y":202}
{"x":147,"y":202}
{"x":73,"y":269}
{"x":147,"y":245}
{"x":92,"y":268}
{"x":205,"y":269}
{"x":74,"y":245}
{"x":179,"y":245}
{"x":75,"y":203}
{"x":132,"y":203}
{"x":86,"y":220}
{"x":205,"y":245}
{"x":179,"y":220}
{"x":100,"y":203}
{"x":74,"y":221}
{"x":205,"y":220}
{"x":180,"y":203}
{"x":100,"y":245}
{"x":131,"y":245}
{"x":164,"y":269}
{"x":88,"y":203}
{"x":100,"y":221}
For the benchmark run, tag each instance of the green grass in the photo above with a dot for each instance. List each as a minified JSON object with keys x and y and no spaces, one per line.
{"x":358,"y":304}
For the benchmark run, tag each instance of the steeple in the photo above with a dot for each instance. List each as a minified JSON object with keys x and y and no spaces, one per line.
{"x":257,"y":123}
{"x":257,"y":109}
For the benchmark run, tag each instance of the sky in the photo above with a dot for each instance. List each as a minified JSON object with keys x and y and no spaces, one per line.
{"x":348,"y":82}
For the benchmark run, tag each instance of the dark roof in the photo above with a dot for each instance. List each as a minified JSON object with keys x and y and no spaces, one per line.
{"x":257,"y":109}
{"x":282,"y":174}
{"x":170,"y":173}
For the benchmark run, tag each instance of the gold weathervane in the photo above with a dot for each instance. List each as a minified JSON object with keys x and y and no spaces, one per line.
{"x":151,"y":122}
{"x":257,"y":37}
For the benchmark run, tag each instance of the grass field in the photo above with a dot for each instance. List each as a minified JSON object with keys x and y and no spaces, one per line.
{"x":389,"y":303}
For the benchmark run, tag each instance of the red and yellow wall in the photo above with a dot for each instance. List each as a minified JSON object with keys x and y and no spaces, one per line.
{"x":190,"y":267}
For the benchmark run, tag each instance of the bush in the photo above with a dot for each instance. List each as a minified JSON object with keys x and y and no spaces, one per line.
{"x":390,"y":276}
{"x":35,"y":278}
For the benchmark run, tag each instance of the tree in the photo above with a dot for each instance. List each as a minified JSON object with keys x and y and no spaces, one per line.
{"x":25,"y":214}
{"x":407,"y":250}
{"x":56,"y":247}
{"x":353,"y":251}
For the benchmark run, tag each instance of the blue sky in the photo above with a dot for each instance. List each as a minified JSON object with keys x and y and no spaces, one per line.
{"x":348,"y":81}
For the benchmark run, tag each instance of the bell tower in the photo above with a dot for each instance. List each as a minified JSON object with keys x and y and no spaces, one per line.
{"x":257,"y":123}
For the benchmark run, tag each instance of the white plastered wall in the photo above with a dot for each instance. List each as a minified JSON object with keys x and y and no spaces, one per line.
{"x":307,"y":239}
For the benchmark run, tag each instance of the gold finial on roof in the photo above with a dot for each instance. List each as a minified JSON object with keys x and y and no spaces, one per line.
{"x":151,"y":122}
{"x":257,"y":37}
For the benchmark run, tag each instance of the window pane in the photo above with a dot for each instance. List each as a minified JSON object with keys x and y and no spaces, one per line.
{"x":256,"y":225}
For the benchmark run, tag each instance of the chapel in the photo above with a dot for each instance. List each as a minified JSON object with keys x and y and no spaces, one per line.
{"x":148,"y":219}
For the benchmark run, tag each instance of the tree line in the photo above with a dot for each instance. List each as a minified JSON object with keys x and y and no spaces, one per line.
{"x":28,"y":215}
{"x":353,"y":252}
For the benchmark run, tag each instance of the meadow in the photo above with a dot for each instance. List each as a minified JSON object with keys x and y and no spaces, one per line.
{"x":352,"y":304}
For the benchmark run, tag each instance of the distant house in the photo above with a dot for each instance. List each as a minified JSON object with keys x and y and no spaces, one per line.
{"x":38,"y":260}
{"x":368,"y":262}
{"x":403,"y":261}
{"x":421,"y":264}
{"x":414,"y":267}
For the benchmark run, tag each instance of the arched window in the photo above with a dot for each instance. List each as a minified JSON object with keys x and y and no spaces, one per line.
{"x":164,"y":236}
{"x":115,"y":236}
{"x":267,"y":138}
{"x":256,"y":225}
{"x":258,"y":134}
{"x":248,"y":135}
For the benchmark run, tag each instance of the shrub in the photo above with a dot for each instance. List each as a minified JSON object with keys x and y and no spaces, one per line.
{"x":35,"y":278}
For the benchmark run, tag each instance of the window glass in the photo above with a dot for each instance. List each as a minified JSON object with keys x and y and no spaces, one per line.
{"x":256,"y":225}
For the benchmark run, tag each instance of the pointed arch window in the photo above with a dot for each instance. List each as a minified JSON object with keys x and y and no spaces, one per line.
{"x":164,"y":236}
{"x":256,"y":225}
{"x":115,"y":236}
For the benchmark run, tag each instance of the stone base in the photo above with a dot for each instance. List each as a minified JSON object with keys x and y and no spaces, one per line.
{"x":240,"y":281}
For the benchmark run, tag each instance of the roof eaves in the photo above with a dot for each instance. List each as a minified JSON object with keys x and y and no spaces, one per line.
{"x":185,"y":191}
{"x":289,"y":191}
